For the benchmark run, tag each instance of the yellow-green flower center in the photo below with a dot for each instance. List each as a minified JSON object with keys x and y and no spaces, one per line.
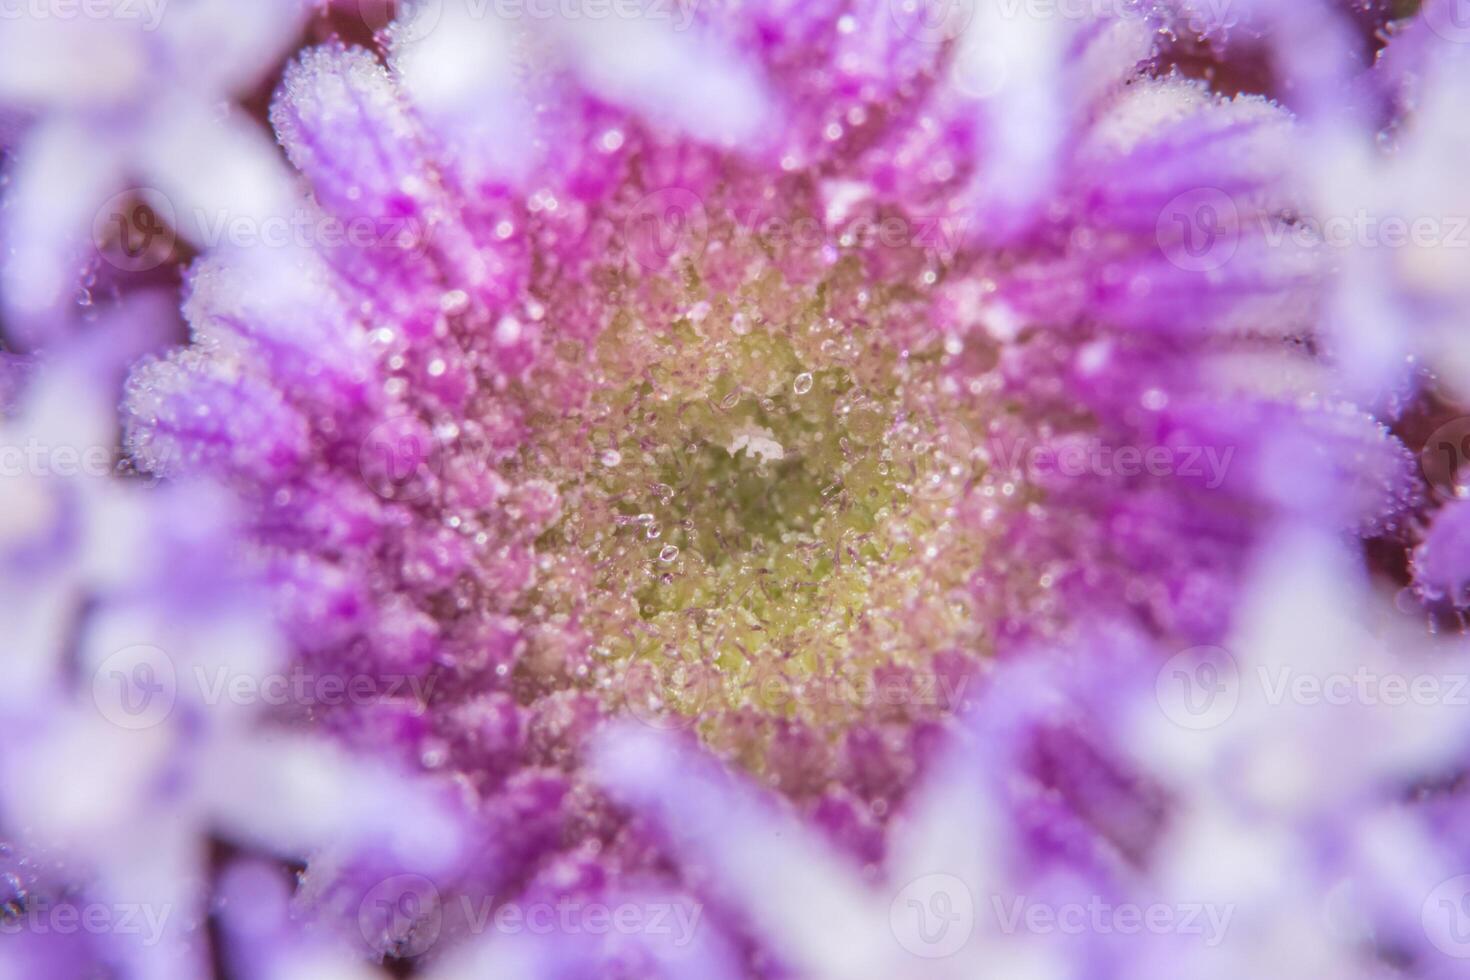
{"x":761,"y":503}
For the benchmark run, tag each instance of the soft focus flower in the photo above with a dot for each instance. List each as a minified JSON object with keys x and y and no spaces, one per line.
{"x":124,"y":759}
{"x":785,"y":489}
{"x":1076,"y":829}
{"x":128,"y":95}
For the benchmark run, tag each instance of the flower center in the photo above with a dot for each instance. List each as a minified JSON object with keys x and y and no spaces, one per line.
{"x":760,"y":502}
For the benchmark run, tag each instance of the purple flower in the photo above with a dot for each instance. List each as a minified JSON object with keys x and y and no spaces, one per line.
{"x":125,"y":96}
{"x":811,"y":489}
